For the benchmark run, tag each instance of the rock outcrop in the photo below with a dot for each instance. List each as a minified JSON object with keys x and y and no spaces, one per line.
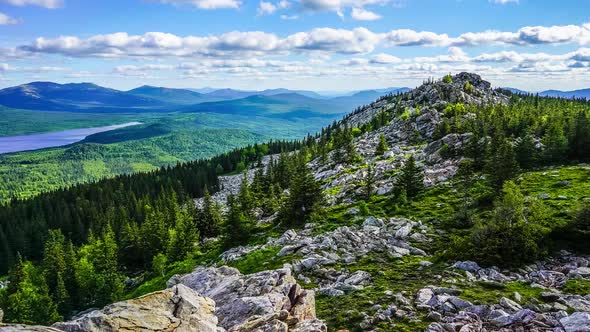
{"x":265,"y":301}
{"x":178,"y":309}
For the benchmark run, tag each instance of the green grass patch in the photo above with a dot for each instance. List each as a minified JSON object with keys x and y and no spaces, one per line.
{"x":261,"y":260}
{"x":481,"y":292}
{"x":404,"y":275}
{"x":577,"y":286}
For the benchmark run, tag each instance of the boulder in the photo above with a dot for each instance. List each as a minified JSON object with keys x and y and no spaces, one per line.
{"x":467,"y":266}
{"x":576,"y":322}
{"x":264,"y":294}
{"x":174,"y":309}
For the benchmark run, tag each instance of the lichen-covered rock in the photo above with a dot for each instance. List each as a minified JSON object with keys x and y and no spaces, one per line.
{"x":176,"y":309}
{"x":270,"y":299}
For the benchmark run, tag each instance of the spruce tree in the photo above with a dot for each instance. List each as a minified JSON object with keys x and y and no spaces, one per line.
{"x":503,"y":165}
{"x":183,"y":237}
{"x":211,"y":220}
{"x":381,"y":146}
{"x":411,"y":178}
{"x":369,"y":185}
{"x":237,"y":224}
{"x":55,"y":269}
{"x":29,"y":301}
{"x":305,"y":198}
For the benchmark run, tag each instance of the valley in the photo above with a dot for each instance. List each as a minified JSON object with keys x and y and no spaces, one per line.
{"x":177,"y":125}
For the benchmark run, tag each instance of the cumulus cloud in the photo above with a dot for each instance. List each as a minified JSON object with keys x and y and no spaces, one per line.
{"x":361,"y":14}
{"x":359,"y":40}
{"x":7,"y":20}
{"x":266,"y":8}
{"x":206,"y":4}
{"x":50,"y":4}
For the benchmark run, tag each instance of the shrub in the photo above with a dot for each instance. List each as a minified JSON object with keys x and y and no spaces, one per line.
{"x":448,"y":79}
{"x":511,"y":236}
{"x":356,"y":132}
{"x":468,"y":87}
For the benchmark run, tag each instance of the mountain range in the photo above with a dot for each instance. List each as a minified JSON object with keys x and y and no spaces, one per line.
{"x":582,"y":93}
{"x":88,"y":97}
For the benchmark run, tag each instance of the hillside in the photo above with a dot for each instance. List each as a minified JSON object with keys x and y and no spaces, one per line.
{"x":452,"y":207}
{"x":171,"y":96}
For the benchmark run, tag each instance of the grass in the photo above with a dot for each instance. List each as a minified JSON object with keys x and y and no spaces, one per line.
{"x":481,"y":292}
{"x":154,"y":282}
{"x":577,"y":286}
{"x":404,"y":275}
{"x":547,"y":182}
{"x":261,"y":260}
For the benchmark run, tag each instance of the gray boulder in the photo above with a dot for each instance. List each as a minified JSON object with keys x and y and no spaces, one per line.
{"x":576,"y":322}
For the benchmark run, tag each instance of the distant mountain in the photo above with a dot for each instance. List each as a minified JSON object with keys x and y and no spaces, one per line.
{"x":584,"y":93}
{"x":515,"y":90}
{"x":172,"y":96}
{"x":88,"y":97}
{"x":203,"y":90}
{"x":287,"y":105}
{"x":231,"y":94}
{"x":274,"y":92}
{"x":366,"y":96}
{"x":71,"y":97}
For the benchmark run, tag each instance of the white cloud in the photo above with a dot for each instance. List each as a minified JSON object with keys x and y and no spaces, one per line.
{"x":266,"y":8}
{"x":383,"y":58}
{"x":50,"y":4}
{"x":361,"y":14}
{"x":319,"y":42}
{"x":358,"y":11}
{"x":206,"y":4}
{"x":7,"y":20}
{"x":503,"y":2}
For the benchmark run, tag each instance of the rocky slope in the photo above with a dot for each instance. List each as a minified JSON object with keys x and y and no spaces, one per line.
{"x":378,"y":270}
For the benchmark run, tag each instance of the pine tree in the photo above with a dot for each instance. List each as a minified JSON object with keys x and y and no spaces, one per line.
{"x":104,"y":257}
{"x":183,"y":237}
{"x":154,"y":234}
{"x":411,"y":178}
{"x":245,"y":197}
{"x":526,"y":152}
{"x":29,"y":301}
{"x":237,"y":225}
{"x":211,"y":220}
{"x":502,"y":165}
{"x":55,"y":269}
{"x":305,"y":198}
{"x":369,"y":184}
{"x":382,"y":146}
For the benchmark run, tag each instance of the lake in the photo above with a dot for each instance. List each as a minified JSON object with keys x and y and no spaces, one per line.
{"x":50,"y":140}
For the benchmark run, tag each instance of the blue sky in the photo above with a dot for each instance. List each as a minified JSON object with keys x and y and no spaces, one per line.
{"x":305,"y":44}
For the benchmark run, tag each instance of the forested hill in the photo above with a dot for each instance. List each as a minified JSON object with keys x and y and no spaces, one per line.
{"x":405,"y":215}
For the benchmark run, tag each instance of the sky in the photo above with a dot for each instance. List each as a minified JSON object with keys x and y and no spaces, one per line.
{"x":322,"y":45}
